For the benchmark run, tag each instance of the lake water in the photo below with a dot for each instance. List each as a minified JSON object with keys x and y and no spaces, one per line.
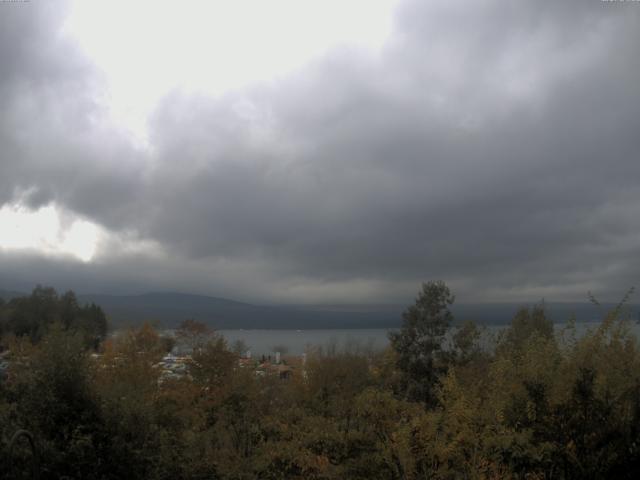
{"x":296,"y":342}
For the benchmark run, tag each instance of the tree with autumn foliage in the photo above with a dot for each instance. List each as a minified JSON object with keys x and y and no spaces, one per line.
{"x":536,"y":402}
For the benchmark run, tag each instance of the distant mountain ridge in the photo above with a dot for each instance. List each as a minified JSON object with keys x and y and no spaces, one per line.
{"x":9,"y":294}
{"x":168,"y":309}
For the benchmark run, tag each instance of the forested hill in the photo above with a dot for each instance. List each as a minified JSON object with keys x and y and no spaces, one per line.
{"x":8,"y":294}
{"x":169,"y":309}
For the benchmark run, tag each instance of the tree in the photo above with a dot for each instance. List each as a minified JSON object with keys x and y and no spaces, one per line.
{"x":193,"y":335}
{"x":526,"y":323}
{"x":55,"y":402}
{"x":418,"y":344}
{"x":466,"y":343}
{"x":283,"y":349}
{"x":240,"y":347}
{"x":213,"y":363}
{"x":34,"y":315}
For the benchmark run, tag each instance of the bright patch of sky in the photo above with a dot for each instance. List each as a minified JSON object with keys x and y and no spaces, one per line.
{"x":148,"y":48}
{"x":46,"y":231}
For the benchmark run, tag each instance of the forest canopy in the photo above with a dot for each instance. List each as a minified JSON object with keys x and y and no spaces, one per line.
{"x":34,"y":315}
{"x":437,"y":403}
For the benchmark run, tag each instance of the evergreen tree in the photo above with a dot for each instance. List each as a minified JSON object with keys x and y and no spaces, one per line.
{"x":418,"y":344}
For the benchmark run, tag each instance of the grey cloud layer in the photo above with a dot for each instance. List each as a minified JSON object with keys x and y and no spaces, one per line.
{"x":491,"y":144}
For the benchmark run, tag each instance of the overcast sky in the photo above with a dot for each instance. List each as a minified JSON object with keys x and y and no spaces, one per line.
{"x":316,"y":152}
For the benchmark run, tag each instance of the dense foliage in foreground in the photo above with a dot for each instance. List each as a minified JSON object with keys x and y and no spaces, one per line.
{"x":434,"y":405}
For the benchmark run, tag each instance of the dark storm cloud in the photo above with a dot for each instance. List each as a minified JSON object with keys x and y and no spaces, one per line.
{"x":491,"y":144}
{"x":55,"y":146}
